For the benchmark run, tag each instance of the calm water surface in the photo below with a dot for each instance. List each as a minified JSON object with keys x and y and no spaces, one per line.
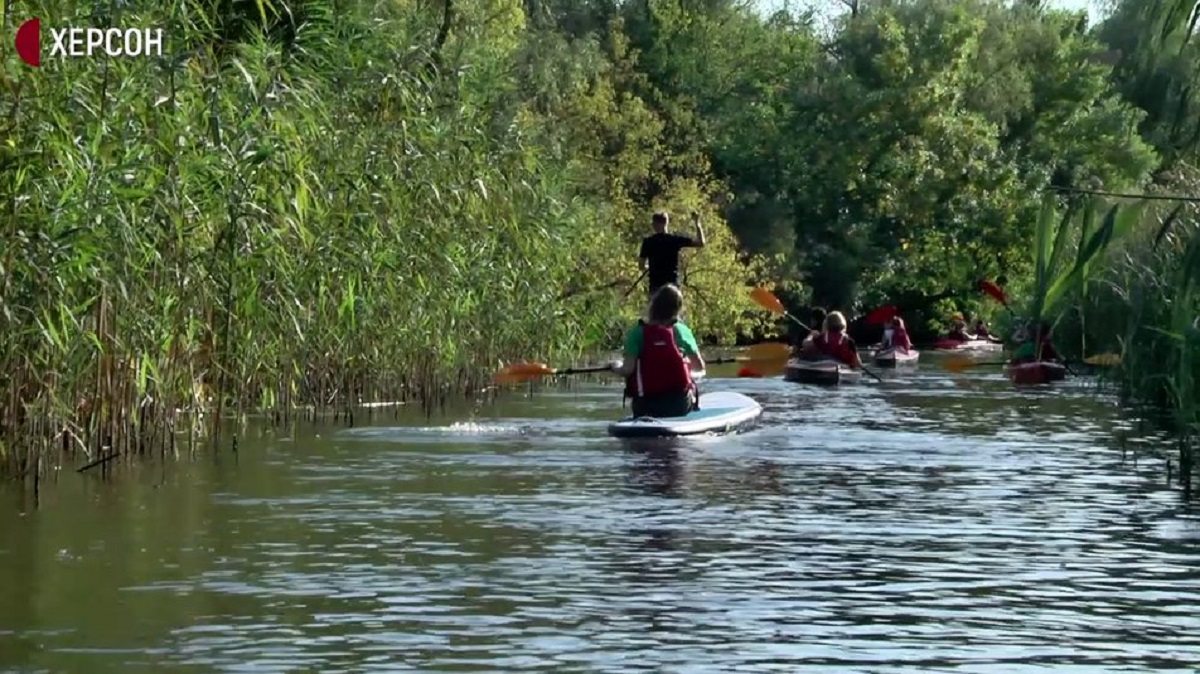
{"x":932,"y":524}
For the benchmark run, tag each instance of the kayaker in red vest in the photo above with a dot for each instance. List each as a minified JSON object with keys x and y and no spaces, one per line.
{"x":1038,"y":348}
{"x":833,"y":343}
{"x":818,"y":319}
{"x":896,"y":335}
{"x":656,"y":365}
{"x":958,"y":329}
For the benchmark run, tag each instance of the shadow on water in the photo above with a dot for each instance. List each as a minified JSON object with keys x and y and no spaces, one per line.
{"x":929,"y":523}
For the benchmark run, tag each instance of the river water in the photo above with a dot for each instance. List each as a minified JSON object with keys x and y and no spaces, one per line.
{"x":935,"y":523}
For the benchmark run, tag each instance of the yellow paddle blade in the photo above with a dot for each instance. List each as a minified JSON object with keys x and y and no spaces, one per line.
{"x":1105,"y":359}
{"x":767,"y":300}
{"x":768,"y":351}
{"x":765,"y":359}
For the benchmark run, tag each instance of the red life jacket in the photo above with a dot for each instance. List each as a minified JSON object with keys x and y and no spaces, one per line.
{"x":661,"y":368}
{"x":843,"y":350}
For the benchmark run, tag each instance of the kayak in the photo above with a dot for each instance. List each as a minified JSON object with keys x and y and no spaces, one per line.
{"x":892,"y":357}
{"x":828,"y":372}
{"x":1042,"y":372}
{"x":947,"y":344}
{"x":720,"y":412}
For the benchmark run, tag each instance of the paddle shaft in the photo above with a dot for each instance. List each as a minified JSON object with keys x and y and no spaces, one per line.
{"x":637,"y":282}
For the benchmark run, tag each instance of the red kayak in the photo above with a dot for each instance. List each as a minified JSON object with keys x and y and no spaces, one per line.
{"x":1038,"y":372}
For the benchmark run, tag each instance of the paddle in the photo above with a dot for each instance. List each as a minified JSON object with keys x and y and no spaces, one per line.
{"x":881,"y":315}
{"x":637,"y":282}
{"x":766,"y":357}
{"x":522,"y":372}
{"x":767,"y":300}
{"x":997,"y":293}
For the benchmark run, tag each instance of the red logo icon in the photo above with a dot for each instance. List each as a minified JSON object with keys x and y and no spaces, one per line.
{"x":29,"y":42}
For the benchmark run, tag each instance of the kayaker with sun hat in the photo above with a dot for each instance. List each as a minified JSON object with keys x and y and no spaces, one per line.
{"x":958,"y":329}
{"x":660,"y":353}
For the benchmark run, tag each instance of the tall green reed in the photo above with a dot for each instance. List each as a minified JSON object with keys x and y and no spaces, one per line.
{"x":280,"y":226}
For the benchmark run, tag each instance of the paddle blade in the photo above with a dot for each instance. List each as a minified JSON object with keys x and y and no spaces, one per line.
{"x":522,"y":372}
{"x":766,"y":359}
{"x":767,"y":300}
{"x":958,"y":364}
{"x":749,"y":372}
{"x":1104,"y":359}
{"x":994,"y":291}
{"x":881,"y":315}
{"x":768,"y":351}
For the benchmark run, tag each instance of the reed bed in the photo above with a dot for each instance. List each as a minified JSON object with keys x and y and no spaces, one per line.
{"x":1141,"y":300}
{"x":289,"y":222}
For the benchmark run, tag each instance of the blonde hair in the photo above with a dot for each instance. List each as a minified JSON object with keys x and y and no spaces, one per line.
{"x":835,"y":321}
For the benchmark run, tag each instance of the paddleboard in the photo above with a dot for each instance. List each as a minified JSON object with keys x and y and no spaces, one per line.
{"x":720,"y":412}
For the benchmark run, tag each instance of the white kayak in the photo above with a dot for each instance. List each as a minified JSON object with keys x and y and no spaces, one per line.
{"x":893,"y":357}
{"x":828,"y":372}
{"x":720,"y":412}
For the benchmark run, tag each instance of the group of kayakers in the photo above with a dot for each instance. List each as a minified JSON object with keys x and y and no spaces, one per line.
{"x":660,"y":352}
{"x":958,"y":330}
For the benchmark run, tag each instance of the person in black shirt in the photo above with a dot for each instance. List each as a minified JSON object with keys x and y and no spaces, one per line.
{"x":660,"y":251}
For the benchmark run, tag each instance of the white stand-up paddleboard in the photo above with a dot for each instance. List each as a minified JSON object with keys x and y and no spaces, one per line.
{"x":720,"y":412}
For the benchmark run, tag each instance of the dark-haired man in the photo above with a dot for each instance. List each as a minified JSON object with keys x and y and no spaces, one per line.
{"x":659,"y":255}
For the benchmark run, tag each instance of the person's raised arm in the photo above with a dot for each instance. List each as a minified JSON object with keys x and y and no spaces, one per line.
{"x":699,"y":230}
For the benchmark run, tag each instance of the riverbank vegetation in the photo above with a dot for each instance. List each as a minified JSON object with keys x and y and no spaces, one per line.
{"x":320,"y":202}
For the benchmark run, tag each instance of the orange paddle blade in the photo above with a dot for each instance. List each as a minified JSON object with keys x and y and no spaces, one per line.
{"x":522,"y":372}
{"x":958,"y":363}
{"x":767,"y":300}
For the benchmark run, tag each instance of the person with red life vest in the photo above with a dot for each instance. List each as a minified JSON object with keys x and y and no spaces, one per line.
{"x":833,"y":343}
{"x":896,"y":335}
{"x":958,"y":329}
{"x":818,"y":319}
{"x":660,"y":353}
{"x":1035,"y":345}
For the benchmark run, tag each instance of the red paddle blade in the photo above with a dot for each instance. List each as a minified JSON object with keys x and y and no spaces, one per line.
{"x":881,"y":315}
{"x":994,"y":290}
{"x":748,"y":372}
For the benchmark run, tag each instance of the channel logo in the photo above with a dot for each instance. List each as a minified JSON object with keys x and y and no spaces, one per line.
{"x":75,"y":42}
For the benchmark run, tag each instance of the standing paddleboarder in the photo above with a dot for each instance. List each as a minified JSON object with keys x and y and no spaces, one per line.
{"x":660,"y":251}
